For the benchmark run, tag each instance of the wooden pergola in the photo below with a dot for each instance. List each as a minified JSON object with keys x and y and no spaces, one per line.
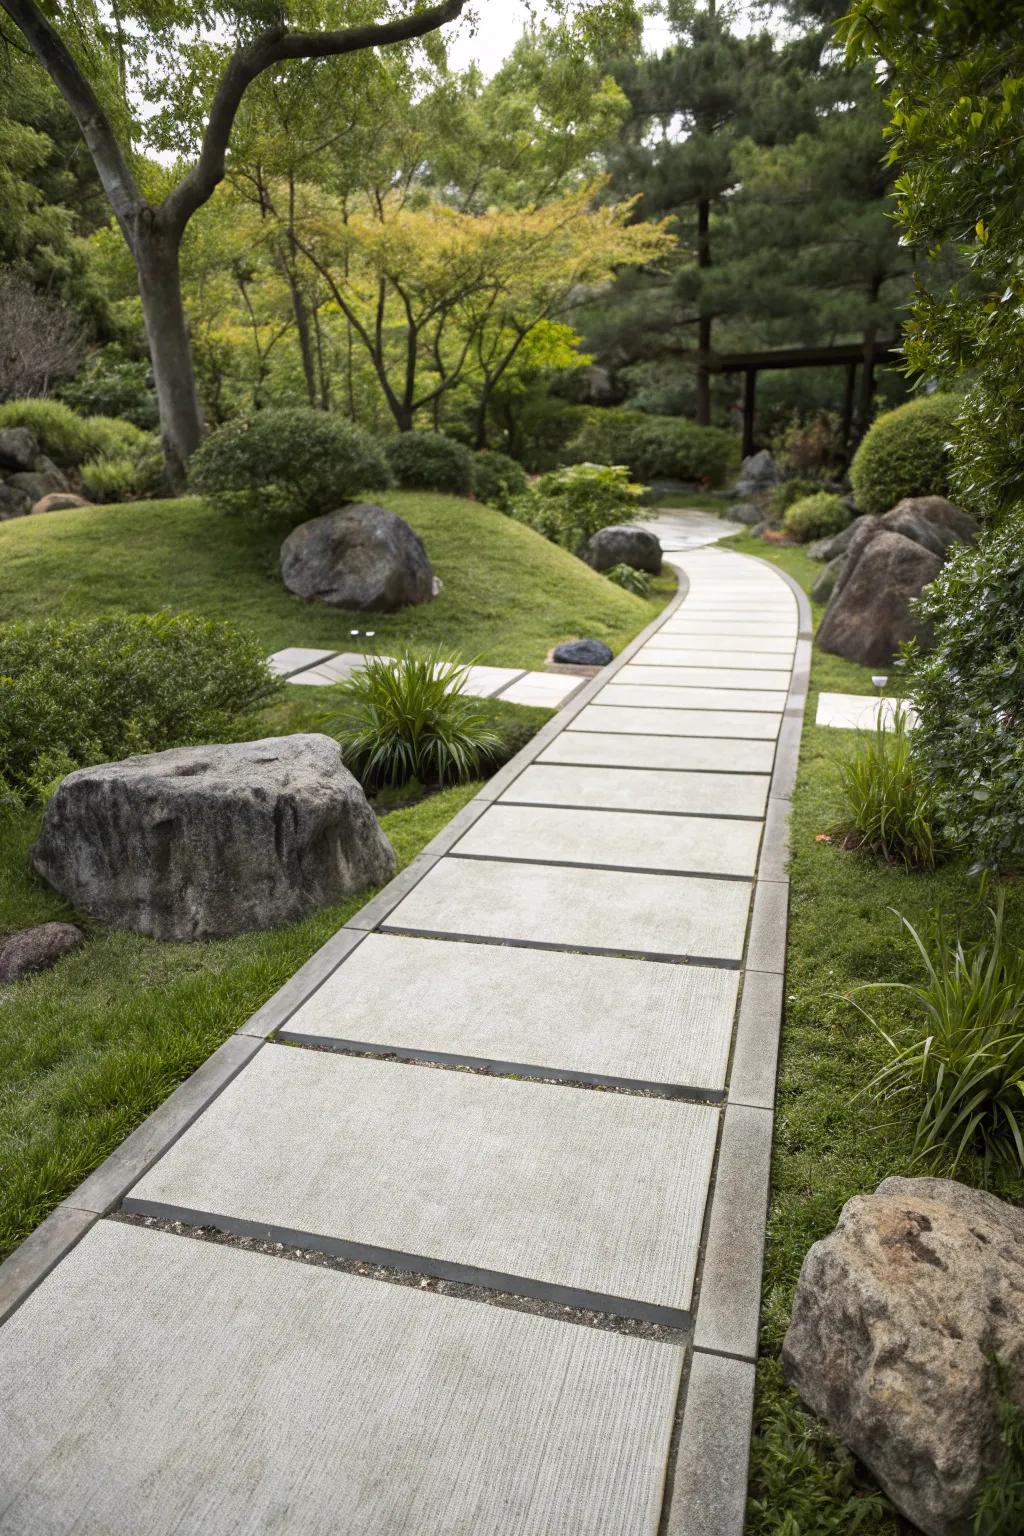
{"x":854,"y":355}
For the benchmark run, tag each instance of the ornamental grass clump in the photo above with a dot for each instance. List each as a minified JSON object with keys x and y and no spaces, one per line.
{"x":637,"y":582}
{"x":888,"y":799}
{"x":409,"y":721}
{"x":963,"y":1065}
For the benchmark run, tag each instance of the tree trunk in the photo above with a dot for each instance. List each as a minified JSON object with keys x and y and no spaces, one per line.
{"x":156,"y":250}
{"x":305,"y":342}
{"x":704,"y":320}
{"x":866,"y":393}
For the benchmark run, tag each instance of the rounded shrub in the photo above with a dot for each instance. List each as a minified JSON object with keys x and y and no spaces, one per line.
{"x":429,"y":461}
{"x":815,"y":517}
{"x":905,"y":453}
{"x":787,"y":492}
{"x":497,"y":479}
{"x":80,"y":691}
{"x":288,"y":464}
{"x":654,"y":447}
{"x":61,"y":433}
{"x":110,"y":437}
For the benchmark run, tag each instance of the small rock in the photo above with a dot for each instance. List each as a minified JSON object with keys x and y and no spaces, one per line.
{"x":362,"y":557}
{"x":747,"y":512}
{"x":13,"y":503}
{"x":897,"y":1315}
{"x":37,"y":949}
{"x":18,"y":449}
{"x":59,"y":501}
{"x":582,"y":653}
{"x":623,"y":544}
{"x":823,"y":587}
{"x":869,"y":617}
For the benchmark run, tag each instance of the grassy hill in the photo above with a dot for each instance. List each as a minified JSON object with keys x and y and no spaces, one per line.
{"x":508,"y":594}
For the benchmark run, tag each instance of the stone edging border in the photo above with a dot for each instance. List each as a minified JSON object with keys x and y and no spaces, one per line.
{"x":707,"y":1492}
{"x":107,"y":1185}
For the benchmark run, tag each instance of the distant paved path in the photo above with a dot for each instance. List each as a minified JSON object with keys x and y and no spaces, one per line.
{"x":537,"y":1070}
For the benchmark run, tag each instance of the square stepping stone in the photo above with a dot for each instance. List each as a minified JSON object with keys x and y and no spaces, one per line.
{"x":542,"y":1189}
{"x":581,"y":1016}
{"x":677,"y":722}
{"x":336,"y":670}
{"x":859,"y":712}
{"x":700,"y":754}
{"x":722,"y":661}
{"x":652,"y":697}
{"x":746,"y":645}
{"x":641,"y":673}
{"x":547,"y":689}
{"x":296,"y":658}
{"x":588,"y":909}
{"x":485,"y":682}
{"x":650,"y":789}
{"x":695,"y":845}
{"x":157,"y":1382}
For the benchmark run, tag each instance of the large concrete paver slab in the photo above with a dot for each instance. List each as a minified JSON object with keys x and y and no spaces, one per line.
{"x":693,"y":658}
{"x":579,"y":1015}
{"x":752,"y":724}
{"x":700,"y":845}
{"x":727,"y":624}
{"x":541,"y":1187}
{"x":744,"y":645}
{"x":547,"y":689}
{"x":860,"y":712}
{"x":647,"y":696}
{"x":723,"y":679}
{"x":695,"y":754}
{"x":648,"y":789}
{"x":484,"y":682}
{"x":158,"y":1384}
{"x":561,"y":907}
{"x":296,"y":658}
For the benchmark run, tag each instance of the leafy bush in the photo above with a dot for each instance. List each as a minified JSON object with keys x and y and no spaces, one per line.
{"x":569,"y":505}
{"x":966,"y":1064}
{"x":969,"y":693}
{"x":888,"y":799}
{"x":905,"y":453}
{"x":813,"y":517}
{"x":654,"y":447}
{"x":112,"y":384}
{"x":497,"y":479}
{"x":538,"y":426}
{"x":113,"y":479}
{"x":62,"y":435}
{"x":810,"y":444}
{"x":111,"y":438}
{"x":429,"y":461}
{"x":75,"y":692}
{"x":787,"y":492}
{"x":287,"y":464}
{"x":629,"y":579}
{"x":409,"y":721}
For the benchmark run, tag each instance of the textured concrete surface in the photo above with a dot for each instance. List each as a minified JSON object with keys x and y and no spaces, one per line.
{"x":661,"y":673}
{"x":728,"y":625}
{"x":459,"y":1170}
{"x":296,"y":658}
{"x":730,"y":1294}
{"x":547,"y":689}
{"x":485,"y":682}
{"x":178,"y":1388}
{"x":743,"y":646}
{"x":701,"y":845}
{"x":585,"y":1015}
{"x":709,"y":1489}
{"x":647,"y":789}
{"x":701,"y":754}
{"x":858,"y":712}
{"x":614,"y":910}
{"x":667,"y":696}
{"x":695,"y":658}
{"x":753,"y":725}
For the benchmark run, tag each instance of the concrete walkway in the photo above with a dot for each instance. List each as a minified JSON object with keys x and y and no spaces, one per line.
{"x":461,"y":1235}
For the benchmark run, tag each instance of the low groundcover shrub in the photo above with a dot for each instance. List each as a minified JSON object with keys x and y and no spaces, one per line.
{"x":83,"y":691}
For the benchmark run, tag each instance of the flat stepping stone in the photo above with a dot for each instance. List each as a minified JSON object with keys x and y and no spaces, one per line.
{"x":647,"y":789}
{"x":546,"y":689}
{"x":747,"y":646}
{"x":558,"y":907}
{"x":650,"y":696}
{"x":679,"y":754}
{"x":485,"y":682}
{"x":529,"y":1010}
{"x":859,"y":712}
{"x":720,"y":678}
{"x":336,"y":670}
{"x":159,"y":1382}
{"x":693,"y":845}
{"x":694,"y":657}
{"x":295,"y":658}
{"x":677,"y":722}
{"x":566,"y":1194}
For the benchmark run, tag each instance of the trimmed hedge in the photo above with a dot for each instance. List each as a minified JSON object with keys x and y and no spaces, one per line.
{"x":497,"y":479}
{"x":907,"y":452}
{"x":429,"y":461}
{"x":655,"y":447}
{"x":815,"y":517}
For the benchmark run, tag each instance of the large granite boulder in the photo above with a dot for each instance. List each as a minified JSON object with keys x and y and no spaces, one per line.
{"x":912,"y":526}
{"x":868,"y":617}
{"x":582,"y":653}
{"x":37,"y":949}
{"x":941,"y":514}
{"x":18,"y":450}
{"x":205,"y":842}
{"x":758,"y":472}
{"x":361,"y":557}
{"x":624,"y":545}
{"x":838,"y":543}
{"x":897,"y":1316}
{"x":13,"y":503}
{"x":825,"y":582}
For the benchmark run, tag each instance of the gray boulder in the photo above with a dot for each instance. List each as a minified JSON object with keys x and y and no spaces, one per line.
{"x":37,"y":949}
{"x":868,"y":617}
{"x":624,"y":545}
{"x":39,"y":483}
{"x":758,"y":472}
{"x":924,"y":533}
{"x":582,"y":653}
{"x":18,"y":449}
{"x":205,"y":842}
{"x":941,"y":514}
{"x":824,"y":585}
{"x":897,"y":1315}
{"x":361,"y":557}
{"x":747,"y":512}
{"x":13,"y":503}
{"x":838,"y":543}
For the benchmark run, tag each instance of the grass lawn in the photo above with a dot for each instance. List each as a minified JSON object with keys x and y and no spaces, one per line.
{"x":508,"y":595}
{"x":830,"y":1141}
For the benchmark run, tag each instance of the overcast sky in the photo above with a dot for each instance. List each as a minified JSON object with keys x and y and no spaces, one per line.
{"x":502,"y":22}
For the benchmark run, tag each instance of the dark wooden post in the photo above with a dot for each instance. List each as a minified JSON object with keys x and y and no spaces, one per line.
{"x":848,"y":399}
{"x":749,"y":406}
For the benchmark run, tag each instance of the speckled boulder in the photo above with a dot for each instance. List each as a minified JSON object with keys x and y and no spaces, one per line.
{"x":623,"y":544}
{"x":582,"y":653}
